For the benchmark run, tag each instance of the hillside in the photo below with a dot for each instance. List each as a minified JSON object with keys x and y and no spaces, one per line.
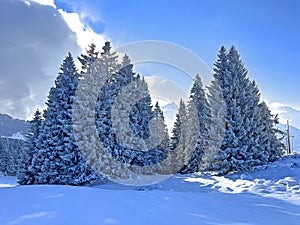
{"x":10,"y":127}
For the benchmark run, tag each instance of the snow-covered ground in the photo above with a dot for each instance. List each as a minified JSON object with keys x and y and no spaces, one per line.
{"x":266,"y":196}
{"x":17,"y":135}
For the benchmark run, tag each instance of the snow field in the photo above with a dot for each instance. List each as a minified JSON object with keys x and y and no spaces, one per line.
{"x":264,"y":196}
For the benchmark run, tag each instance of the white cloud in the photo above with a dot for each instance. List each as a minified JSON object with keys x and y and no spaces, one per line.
{"x":42,"y":2}
{"x":85,"y":35}
{"x":168,"y":94}
{"x":165,"y":91}
{"x":34,"y":41}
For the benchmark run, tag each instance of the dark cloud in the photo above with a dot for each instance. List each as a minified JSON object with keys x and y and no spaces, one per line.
{"x":33,"y":42}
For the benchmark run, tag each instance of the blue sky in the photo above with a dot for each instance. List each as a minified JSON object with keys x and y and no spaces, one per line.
{"x":266,"y":33}
{"x":41,"y":32}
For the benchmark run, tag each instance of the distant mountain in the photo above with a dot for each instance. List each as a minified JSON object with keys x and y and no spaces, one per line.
{"x":285,"y":113}
{"x":10,"y":127}
{"x":295,"y":136}
{"x":170,"y":114}
{"x":12,"y":144}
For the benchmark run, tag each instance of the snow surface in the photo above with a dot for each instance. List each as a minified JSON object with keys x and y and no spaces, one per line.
{"x":285,"y":113}
{"x":265,"y":196}
{"x":17,"y":136}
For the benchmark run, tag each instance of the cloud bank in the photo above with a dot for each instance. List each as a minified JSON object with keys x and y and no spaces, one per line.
{"x":35,"y":37}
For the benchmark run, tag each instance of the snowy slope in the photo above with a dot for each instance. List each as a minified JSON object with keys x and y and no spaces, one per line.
{"x":295,"y":136}
{"x":269,"y":196}
{"x":12,"y":128}
{"x":285,"y":113}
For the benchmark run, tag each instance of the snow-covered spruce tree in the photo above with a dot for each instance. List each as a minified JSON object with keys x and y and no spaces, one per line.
{"x":98,"y":69}
{"x":127,"y":136}
{"x":27,"y":170}
{"x":110,"y":59}
{"x":112,"y":98}
{"x":222,"y":162}
{"x":156,"y":139}
{"x":251,"y":129}
{"x":59,"y":160}
{"x":243,"y":117}
{"x":178,"y":139}
{"x":160,"y":128}
{"x":241,"y":148}
{"x":231,"y":76}
{"x":198,"y":118}
{"x":89,"y":58}
{"x":159,"y":139}
{"x":213,"y":155}
{"x":271,"y":146}
{"x":106,"y":103}
{"x":248,"y":122}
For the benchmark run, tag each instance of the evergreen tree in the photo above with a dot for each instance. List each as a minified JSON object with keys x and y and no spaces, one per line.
{"x":11,"y":155}
{"x":198,"y":118}
{"x":124,"y":86}
{"x":12,"y":152}
{"x":159,"y":127}
{"x":222,"y":75}
{"x":59,"y":160}
{"x":124,"y":112}
{"x":92,"y":104}
{"x":125,"y":61}
{"x":110,"y":59}
{"x":159,"y":134}
{"x":240,"y":105}
{"x":27,"y":171}
{"x":178,"y":138}
{"x":242,"y":147}
{"x":6,"y":161}
{"x":88,"y":59}
{"x":271,"y":146}
{"x":212,"y":156}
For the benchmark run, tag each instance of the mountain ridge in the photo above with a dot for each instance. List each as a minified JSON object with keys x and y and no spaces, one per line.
{"x":11,"y":127}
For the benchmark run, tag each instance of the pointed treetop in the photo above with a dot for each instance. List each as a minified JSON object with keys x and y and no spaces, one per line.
{"x":126,"y":61}
{"x":197,"y":85}
{"x":222,"y":49}
{"x":234,"y":56}
{"x":233,"y":49}
{"x":198,"y":79}
{"x":222,"y":55}
{"x":90,"y":51}
{"x":68,"y":65}
{"x":158,"y":111}
{"x":181,"y":104}
{"x":37,"y":113}
{"x":106,"y":48}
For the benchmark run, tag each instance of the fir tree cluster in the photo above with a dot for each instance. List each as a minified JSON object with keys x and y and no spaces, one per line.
{"x":228,"y":129}
{"x":12,"y":155}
